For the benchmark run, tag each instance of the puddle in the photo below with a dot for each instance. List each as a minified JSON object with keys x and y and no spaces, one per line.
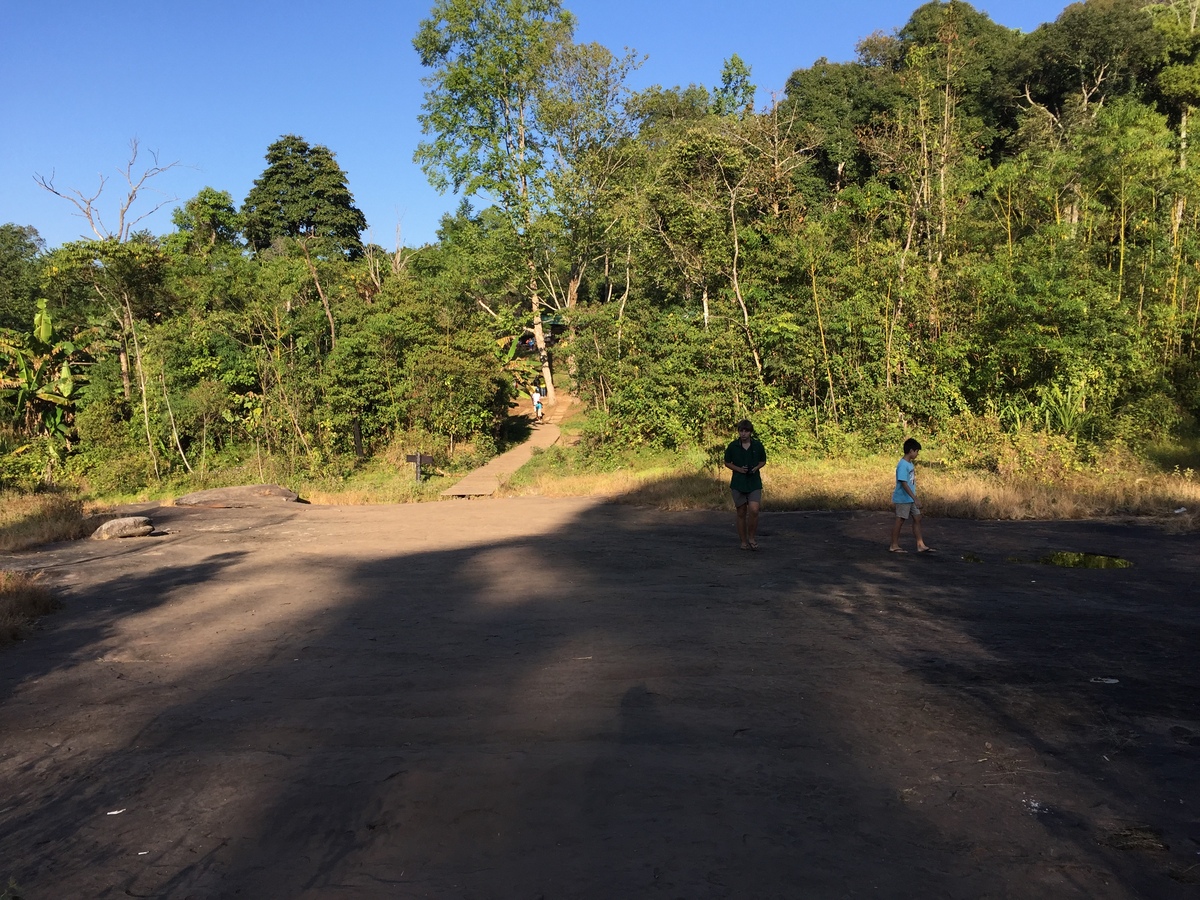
{"x":1084,"y":560}
{"x":971,"y":558}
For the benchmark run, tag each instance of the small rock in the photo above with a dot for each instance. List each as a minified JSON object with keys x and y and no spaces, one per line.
{"x":130,"y":526}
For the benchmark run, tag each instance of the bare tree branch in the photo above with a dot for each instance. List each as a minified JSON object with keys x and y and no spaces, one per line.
{"x":137,"y":182}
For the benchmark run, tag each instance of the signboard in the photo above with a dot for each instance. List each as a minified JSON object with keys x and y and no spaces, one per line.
{"x":420,"y":459}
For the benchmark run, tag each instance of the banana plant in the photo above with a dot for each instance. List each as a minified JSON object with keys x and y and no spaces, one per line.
{"x":37,"y":376}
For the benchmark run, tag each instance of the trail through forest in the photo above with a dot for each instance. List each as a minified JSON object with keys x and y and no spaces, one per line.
{"x":486,"y":480}
{"x":566,"y":698}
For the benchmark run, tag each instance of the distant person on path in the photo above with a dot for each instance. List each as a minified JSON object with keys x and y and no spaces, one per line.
{"x":537,"y":404}
{"x":745,"y":457}
{"x":904,"y":496}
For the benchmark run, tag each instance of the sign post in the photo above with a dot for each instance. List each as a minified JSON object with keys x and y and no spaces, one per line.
{"x":421,"y":460}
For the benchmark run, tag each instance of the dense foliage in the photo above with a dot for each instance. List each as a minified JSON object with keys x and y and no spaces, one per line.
{"x":966,"y":230}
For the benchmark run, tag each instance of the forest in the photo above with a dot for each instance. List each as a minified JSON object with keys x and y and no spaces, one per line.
{"x":985,"y":238}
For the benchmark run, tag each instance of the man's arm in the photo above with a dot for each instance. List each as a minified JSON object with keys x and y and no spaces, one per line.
{"x":762,"y":462}
{"x":734,"y":467}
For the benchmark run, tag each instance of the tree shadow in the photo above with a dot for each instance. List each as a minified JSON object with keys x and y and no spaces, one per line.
{"x":516,"y":429}
{"x":623,"y":704}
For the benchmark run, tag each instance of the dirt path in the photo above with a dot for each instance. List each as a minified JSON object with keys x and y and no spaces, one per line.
{"x":486,"y":480}
{"x":560,"y":698}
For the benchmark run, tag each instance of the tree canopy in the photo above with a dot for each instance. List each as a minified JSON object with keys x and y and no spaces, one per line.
{"x":303,"y":193}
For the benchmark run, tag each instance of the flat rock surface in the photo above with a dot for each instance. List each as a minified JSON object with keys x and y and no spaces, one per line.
{"x":242,"y":496}
{"x":562,"y":698}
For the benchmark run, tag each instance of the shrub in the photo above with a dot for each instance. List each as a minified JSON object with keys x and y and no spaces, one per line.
{"x":1146,"y":420}
{"x":977,"y":442}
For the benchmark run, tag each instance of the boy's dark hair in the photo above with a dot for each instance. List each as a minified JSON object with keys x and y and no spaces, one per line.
{"x":744,"y":425}
{"x":910,"y":445}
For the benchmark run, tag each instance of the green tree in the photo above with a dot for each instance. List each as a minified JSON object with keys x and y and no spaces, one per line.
{"x":836,"y":101}
{"x":986,"y":53}
{"x":488,"y":60}
{"x":207,"y":221}
{"x":126,"y":284}
{"x":584,"y":113}
{"x":735,"y":96}
{"x":1130,"y":160}
{"x":1093,"y":50}
{"x":20,"y":246}
{"x":303,"y":194}
{"x":659,"y":111}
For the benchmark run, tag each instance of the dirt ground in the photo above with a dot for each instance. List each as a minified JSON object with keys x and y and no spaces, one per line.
{"x":535,"y":698}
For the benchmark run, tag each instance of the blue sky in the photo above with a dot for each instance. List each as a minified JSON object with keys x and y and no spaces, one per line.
{"x":212,"y":84}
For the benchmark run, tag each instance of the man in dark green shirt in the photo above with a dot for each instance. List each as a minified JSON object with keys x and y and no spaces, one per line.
{"x":745,"y":457}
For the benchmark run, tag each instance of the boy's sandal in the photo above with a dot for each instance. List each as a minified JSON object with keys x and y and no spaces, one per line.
{"x":927,"y":550}
{"x":896,"y":550}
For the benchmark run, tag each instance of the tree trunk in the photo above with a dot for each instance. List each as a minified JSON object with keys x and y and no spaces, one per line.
{"x":174,"y":430}
{"x":141,"y":374}
{"x":824,"y":349}
{"x":312,"y":270}
{"x":539,"y":335}
{"x":737,"y":287}
{"x":125,"y":382}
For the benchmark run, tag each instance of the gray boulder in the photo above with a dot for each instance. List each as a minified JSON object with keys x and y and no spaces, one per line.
{"x":129,"y":526}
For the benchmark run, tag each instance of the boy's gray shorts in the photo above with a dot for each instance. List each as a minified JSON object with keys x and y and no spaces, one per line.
{"x":904,"y":510}
{"x":741,"y":498}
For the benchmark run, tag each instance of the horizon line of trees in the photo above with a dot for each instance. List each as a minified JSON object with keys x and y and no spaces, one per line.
{"x":965,"y":228}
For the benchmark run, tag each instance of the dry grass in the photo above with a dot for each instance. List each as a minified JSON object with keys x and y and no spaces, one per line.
{"x":27,"y":520}
{"x":867,"y":484}
{"x":22,"y":600}
{"x":401,"y":490}
{"x":984,"y":496}
{"x":374,"y":487}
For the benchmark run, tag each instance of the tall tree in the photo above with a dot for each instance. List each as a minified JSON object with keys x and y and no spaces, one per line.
{"x":1092,"y":51}
{"x":584,"y":113}
{"x":303,"y":193}
{"x":489,"y":58}
{"x":207,"y":221}
{"x":735,"y":96}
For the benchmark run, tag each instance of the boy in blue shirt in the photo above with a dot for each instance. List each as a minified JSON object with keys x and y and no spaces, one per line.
{"x":905,"y":498}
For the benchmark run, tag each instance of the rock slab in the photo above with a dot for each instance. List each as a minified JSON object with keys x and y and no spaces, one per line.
{"x":129,"y":526}
{"x":244,"y":496}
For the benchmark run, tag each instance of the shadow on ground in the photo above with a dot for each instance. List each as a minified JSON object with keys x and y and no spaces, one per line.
{"x":531,"y":698}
